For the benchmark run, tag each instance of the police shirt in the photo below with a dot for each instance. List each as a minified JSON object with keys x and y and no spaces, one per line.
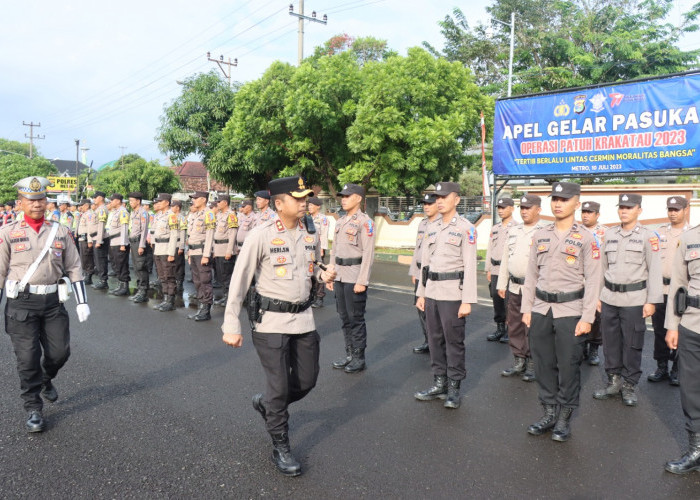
{"x":166,"y":233}
{"x":225,"y":233}
{"x":354,"y":238}
{"x":685,"y":273}
{"x":98,"y":226}
{"x":321,"y":224}
{"x":138,"y":226}
{"x":200,"y":231}
{"x":86,"y":218}
{"x":245,"y":224}
{"x":497,"y":240}
{"x":119,"y":227}
{"x":668,"y":241}
{"x":414,"y":268}
{"x":282,"y":263}
{"x":516,"y":256}
{"x":264,"y":216}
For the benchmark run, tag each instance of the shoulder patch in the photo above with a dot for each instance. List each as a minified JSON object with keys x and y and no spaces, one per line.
{"x":123,"y":217}
{"x":232,"y":220}
{"x":654,"y":240}
{"x":369,"y":226}
{"x":471,"y":235}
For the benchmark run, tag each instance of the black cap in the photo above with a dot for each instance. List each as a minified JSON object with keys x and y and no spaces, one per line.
{"x":199,"y":194}
{"x":530,"y":200}
{"x":246,"y":203}
{"x":677,"y":202}
{"x":10,"y":202}
{"x":506,"y":201}
{"x":428,"y":199}
{"x":262,"y":194}
{"x":176,"y":203}
{"x":629,"y":200}
{"x":590,"y":206}
{"x":350,"y":188}
{"x":100,"y":193}
{"x":445,"y":188}
{"x":224,"y":197}
{"x":314,"y":201}
{"x":566,"y":190}
{"x":293,"y":186}
{"x":84,"y":201}
{"x":118,"y":196}
{"x":163,"y":197}
{"x":136,"y":194}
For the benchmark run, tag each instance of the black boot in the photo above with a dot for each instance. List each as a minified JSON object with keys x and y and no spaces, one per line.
{"x":100,"y":285}
{"x":49,"y":392}
{"x":422,"y":349}
{"x":629,"y":395}
{"x":282,"y":455}
{"x":199,"y":310}
{"x":88,"y":280}
{"x":562,"y":430}
{"x":518,"y":368}
{"x":222,"y":301}
{"x":593,"y":358}
{"x":259,"y":406}
{"x":612,"y":390}
{"x":121,"y":290}
{"x":140,"y":297}
{"x":661,"y":372}
{"x":35,"y":422}
{"x":546,"y":422}
{"x":168,"y":304}
{"x":673,"y":375}
{"x":343,"y":362}
{"x":452,"y":400}
{"x":498,"y":334}
{"x":438,"y":390}
{"x":357,"y":364}
{"x":204,"y":314}
{"x":504,"y":338}
{"x":529,"y":375}
{"x":691,"y":460}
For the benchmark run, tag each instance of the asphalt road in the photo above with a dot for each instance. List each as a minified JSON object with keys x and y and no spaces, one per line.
{"x":155,"y":406}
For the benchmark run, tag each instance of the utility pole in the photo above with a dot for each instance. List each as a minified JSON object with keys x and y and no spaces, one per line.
{"x":302,"y":18}
{"x":31,"y":136}
{"x":221,"y":63}
{"x":122,"y":156}
{"x":77,"y":153}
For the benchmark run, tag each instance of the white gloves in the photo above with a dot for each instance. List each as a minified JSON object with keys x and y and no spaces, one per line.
{"x":83,"y":311}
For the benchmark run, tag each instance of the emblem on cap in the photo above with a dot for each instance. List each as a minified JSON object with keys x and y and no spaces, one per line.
{"x":586,"y":205}
{"x":672,"y":200}
{"x":345,"y":186}
{"x":524,"y":199}
{"x":35,"y":185}
{"x":438,"y":187}
{"x":301,"y":183}
{"x":426,"y":197}
{"x":559,"y":189}
{"x":624,"y":197}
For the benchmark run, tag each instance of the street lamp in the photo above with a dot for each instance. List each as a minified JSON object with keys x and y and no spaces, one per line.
{"x":512,"y":43}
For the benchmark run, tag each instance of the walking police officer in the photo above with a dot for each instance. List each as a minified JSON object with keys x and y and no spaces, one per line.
{"x":140,"y":249}
{"x":590,"y":213}
{"x":633,"y":284}
{"x":497,"y":241}
{"x":446,"y":291}
{"x":558,"y":304}
{"x":352,"y":255}
{"x":282,"y":256}
{"x":35,"y":255}
{"x":201,"y":224}
{"x":224,"y":243}
{"x":119,"y":243}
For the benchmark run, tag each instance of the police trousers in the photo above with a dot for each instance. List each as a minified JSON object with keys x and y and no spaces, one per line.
{"x":37,"y":324}
{"x":517,"y":331}
{"x":689,"y":376}
{"x":141,"y":265}
{"x":291,"y":370}
{"x":351,"y":308}
{"x":180,"y":267}
{"x":557,"y":354}
{"x":623,"y":340}
{"x":445,"y":338}
{"x":499,"y":304}
{"x":87,"y":258}
{"x":421,"y":314}
{"x":661,"y":350}
{"x":595,"y":337}
{"x":166,"y":274}
{"x":201,"y":276}
{"x":101,"y":253}
{"x":120,"y":262}
{"x":224,"y":270}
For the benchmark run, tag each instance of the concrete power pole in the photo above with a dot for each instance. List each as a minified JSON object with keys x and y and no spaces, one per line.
{"x":221,"y":63}
{"x":122,"y":156}
{"x":302,"y":18}
{"x":31,"y":136}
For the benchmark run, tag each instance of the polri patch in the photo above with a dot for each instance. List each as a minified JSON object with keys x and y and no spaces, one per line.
{"x":281,"y":259}
{"x":278,"y":241}
{"x":654,"y":240}
{"x":20,"y":247}
{"x":309,"y":239}
{"x":281,"y":271}
{"x":570,"y":260}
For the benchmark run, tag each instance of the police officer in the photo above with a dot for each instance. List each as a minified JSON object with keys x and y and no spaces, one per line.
{"x":683,"y":336}
{"x":98,"y":233}
{"x":281,"y":255}
{"x":431,"y":213}
{"x":558,"y":304}
{"x":352,"y":255}
{"x":446,"y":291}
{"x":87,"y":257}
{"x":65,"y":215}
{"x":246,"y":221}
{"x":511,"y":277}
{"x":176,"y":208}
{"x":669,"y":236}
{"x":166,"y":229}
{"x":497,"y":241}
{"x":9,"y":214}
{"x":265,"y":213}
{"x":119,"y":243}
{"x":590,"y":213}
{"x":140,"y":249}
{"x":35,"y":318}
{"x":321,"y":224}
{"x":201,"y":224}
{"x":633,"y":284}
{"x":224,"y":243}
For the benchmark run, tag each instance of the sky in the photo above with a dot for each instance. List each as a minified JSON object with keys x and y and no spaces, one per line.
{"x":102,"y":72}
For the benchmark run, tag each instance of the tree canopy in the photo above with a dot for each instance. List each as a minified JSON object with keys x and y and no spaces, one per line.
{"x":15,"y":164}
{"x":137,"y":174}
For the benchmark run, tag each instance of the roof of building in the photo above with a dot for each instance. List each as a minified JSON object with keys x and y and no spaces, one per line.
{"x":68,"y":166}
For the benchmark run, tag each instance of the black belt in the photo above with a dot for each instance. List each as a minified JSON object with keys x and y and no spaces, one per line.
{"x":455,"y":275}
{"x":82,"y":237}
{"x":495,"y":262}
{"x":197,"y":246}
{"x":419,"y":265}
{"x":239,"y":243}
{"x":517,"y":281}
{"x":627,"y":287}
{"x":276,"y":305}
{"x":693,"y":301}
{"x":165,"y":240}
{"x":135,"y":239}
{"x":352,"y":261}
{"x":560,"y":297}
{"x":93,"y":234}
{"x":220,"y":241}
{"x":667,"y":281}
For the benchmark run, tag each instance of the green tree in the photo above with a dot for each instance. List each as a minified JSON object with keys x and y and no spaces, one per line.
{"x":7,"y":146}
{"x":137,"y":174}
{"x":16,"y":166}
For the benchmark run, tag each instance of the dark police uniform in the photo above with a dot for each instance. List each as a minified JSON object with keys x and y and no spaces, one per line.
{"x":561,"y":288}
{"x":494,"y":251}
{"x":224,"y":243}
{"x":200,"y":232}
{"x":282,"y":262}
{"x":35,"y":319}
{"x":138,"y":236}
{"x":595,"y":338}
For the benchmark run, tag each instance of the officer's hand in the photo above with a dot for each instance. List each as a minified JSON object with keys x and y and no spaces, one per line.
{"x":228,"y":256}
{"x":464,"y":310}
{"x":420,"y":303}
{"x":413,"y":280}
{"x":672,"y":339}
{"x":122,"y":248}
{"x":648,"y":310}
{"x":233,"y":339}
{"x":98,"y":245}
{"x":180,"y":252}
{"x":502,"y":294}
{"x":205,"y":261}
{"x":488,"y":275}
{"x":171,"y":258}
{"x":83,"y":311}
{"x":89,"y":245}
{"x":329,"y":275}
{"x":189,"y":260}
{"x":329,"y":285}
{"x":599,"y":306}
{"x":359,"y":288}
{"x":141,"y":250}
{"x":527,"y":317}
{"x":582,"y":328}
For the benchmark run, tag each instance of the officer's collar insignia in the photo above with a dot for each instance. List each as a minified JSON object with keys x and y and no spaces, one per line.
{"x":279,"y":225}
{"x":559,"y":189}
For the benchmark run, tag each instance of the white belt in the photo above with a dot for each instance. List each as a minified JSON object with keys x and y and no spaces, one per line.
{"x":43,"y":289}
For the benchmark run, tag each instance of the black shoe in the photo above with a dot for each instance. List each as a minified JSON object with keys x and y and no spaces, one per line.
{"x":88,"y":280}
{"x":562,"y":430}
{"x":35,"y":422}
{"x":529,"y":375}
{"x":546,"y":422}
{"x":282,"y":456}
{"x":629,"y":396}
{"x":498,"y":334}
{"x":121,"y":290}
{"x":421,"y":349}
{"x":593,"y":357}
{"x":661,"y":372}
{"x":222,"y":301}
{"x":452,"y":400}
{"x":518,"y":368}
{"x":100,"y":285}
{"x":204,"y":313}
{"x":49,"y":392}
{"x":215,"y":284}
{"x":168,"y":304}
{"x":199,"y":309}
{"x":140,"y":297}
{"x":438,"y":390}
{"x":259,"y":406}
{"x":691,"y":460}
{"x":673,"y":375}
{"x":343,"y":362}
{"x":504,"y":338}
{"x":612,"y":390}
{"x":357,"y":363}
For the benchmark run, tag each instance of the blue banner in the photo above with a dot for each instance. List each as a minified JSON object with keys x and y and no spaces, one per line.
{"x":620,"y":128}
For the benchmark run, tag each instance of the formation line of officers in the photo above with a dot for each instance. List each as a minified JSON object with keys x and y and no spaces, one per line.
{"x":564,"y":287}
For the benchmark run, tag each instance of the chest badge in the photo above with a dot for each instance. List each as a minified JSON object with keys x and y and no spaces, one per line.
{"x":281,"y":272}
{"x":571,"y":260}
{"x":278,"y":241}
